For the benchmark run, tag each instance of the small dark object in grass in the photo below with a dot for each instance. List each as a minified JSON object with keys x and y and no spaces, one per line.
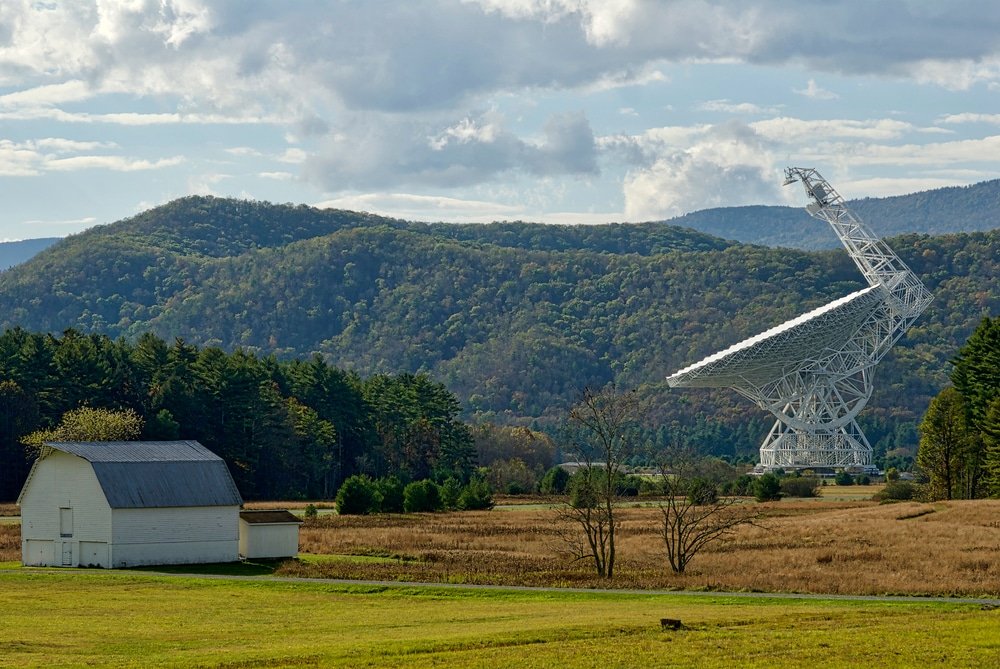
{"x":670,"y":623}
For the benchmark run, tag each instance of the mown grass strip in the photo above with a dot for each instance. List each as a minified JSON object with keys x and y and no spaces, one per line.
{"x":82,"y":618}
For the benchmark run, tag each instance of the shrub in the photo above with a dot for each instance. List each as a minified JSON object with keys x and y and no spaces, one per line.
{"x":583,"y":489}
{"x":310,"y":511}
{"x":741,"y":486}
{"x":896,"y":491}
{"x":843,"y":478}
{"x":800,"y":486}
{"x":422,"y":496}
{"x":391,"y":491}
{"x":516,"y":488}
{"x":450,"y":490}
{"x":767,"y":488}
{"x":652,"y":486}
{"x":863,"y":479}
{"x":702,"y":491}
{"x":476,"y":496}
{"x":357,"y":495}
{"x":629,"y":485}
{"x":554,"y":482}
{"x":891,"y":474}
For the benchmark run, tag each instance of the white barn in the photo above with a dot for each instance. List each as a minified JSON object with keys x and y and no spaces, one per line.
{"x":269,"y":534}
{"x":125,"y":504}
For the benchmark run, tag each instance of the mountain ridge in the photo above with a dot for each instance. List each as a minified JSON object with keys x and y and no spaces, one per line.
{"x":516,"y":320}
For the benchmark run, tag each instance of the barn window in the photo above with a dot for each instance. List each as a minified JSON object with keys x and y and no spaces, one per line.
{"x":65,"y":522}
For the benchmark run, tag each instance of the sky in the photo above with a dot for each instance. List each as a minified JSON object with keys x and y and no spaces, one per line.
{"x":560,"y":111}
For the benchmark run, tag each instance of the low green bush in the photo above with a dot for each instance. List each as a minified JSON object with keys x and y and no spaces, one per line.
{"x":476,"y":496}
{"x":358,"y":494}
{"x":843,"y":478}
{"x":767,"y":488}
{"x":702,"y":492}
{"x":800,"y":486}
{"x":896,"y":491}
{"x":390,"y":489}
{"x":421,"y":496}
{"x":554,"y":482}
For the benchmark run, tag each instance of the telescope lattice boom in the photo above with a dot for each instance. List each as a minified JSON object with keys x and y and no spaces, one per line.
{"x":814,"y":372}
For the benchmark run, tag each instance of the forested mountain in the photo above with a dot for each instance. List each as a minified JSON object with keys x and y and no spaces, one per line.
{"x":940,"y":211}
{"x":15,"y":253}
{"x":514,"y":318}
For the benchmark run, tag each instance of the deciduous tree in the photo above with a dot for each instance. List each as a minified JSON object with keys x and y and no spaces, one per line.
{"x":694,"y":516}
{"x":944,"y":452}
{"x":605,"y":428}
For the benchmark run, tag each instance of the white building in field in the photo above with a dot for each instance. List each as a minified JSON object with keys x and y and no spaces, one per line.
{"x":269,"y":534}
{"x":124,"y":504}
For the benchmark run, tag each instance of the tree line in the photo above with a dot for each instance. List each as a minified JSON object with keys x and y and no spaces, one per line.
{"x":288,"y":429}
{"x":960,"y":433}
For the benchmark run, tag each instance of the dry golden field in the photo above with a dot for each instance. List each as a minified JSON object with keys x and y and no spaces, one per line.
{"x":821,"y":546}
{"x":946,"y":548}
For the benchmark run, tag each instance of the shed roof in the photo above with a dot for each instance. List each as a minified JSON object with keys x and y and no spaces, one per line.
{"x":269,"y":517}
{"x":143,"y":474}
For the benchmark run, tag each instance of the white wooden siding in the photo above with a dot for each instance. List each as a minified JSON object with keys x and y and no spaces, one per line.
{"x":175,"y":535}
{"x":62,"y":482}
{"x":65,"y":516}
{"x":266,"y":540}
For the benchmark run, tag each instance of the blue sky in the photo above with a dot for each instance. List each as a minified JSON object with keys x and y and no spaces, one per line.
{"x":566,"y":111}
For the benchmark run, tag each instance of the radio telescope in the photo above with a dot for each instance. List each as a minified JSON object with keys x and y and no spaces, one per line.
{"x":814,"y":372}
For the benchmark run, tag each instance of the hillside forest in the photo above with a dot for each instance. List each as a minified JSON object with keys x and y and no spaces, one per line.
{"x":510,"y":321}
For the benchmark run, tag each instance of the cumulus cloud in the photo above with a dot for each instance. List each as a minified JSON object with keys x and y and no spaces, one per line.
{"x":816,"y":92}
{"x":384,"y":96}
{"x":729,"y":164}
{"x":376,"y":153}
{"x":35,"y":157}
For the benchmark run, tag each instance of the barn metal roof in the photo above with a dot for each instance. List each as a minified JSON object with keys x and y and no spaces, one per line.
{"x":143,"y":474}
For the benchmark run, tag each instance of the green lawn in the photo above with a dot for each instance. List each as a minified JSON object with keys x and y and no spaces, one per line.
{"x":97,"y":618}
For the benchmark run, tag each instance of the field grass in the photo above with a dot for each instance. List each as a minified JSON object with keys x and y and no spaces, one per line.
{"x":818,"y":546}
{"x":77,"y":618}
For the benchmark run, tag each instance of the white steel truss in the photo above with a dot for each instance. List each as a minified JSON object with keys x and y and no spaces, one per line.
{"x":814,"y":373}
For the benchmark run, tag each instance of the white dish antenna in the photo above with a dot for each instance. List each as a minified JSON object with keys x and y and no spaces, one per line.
{"x":814,"y":372}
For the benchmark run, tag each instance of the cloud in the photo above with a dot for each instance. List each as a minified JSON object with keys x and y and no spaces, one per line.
{"x":304,"y":60}
{"x":728,"y":107}
{"x":791,"y":130}
{"x":389,"y":96}
{"x":415,"y":207}
{"x":969,"y":117}
{"x":113,"y":163}
{"x":812,"y":90}
{"x":136,"y":118}
{"x":730,"y":164}
{"x":378,"y":153}
{"x":423,"y":207}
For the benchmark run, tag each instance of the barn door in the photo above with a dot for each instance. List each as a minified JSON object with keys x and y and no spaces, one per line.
{"x":67,"y":554}
{"x":65,"y":522}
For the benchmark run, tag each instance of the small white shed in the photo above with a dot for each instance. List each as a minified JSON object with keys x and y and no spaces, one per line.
{"x":269,"y":534}
{"x":128,"y":503}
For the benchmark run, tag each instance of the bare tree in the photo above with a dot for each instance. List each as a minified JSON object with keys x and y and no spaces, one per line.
{"x":694,"y":516}
{"x":605,"y":431}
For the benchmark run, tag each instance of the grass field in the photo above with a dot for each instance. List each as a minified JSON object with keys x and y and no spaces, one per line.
{"x":87,"y":618}
{"x":859,"y":547}
{"x":819,"y":546}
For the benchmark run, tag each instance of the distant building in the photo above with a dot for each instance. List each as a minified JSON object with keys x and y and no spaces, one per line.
{"x":124,"y":504}
{"x":269,"y":534}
